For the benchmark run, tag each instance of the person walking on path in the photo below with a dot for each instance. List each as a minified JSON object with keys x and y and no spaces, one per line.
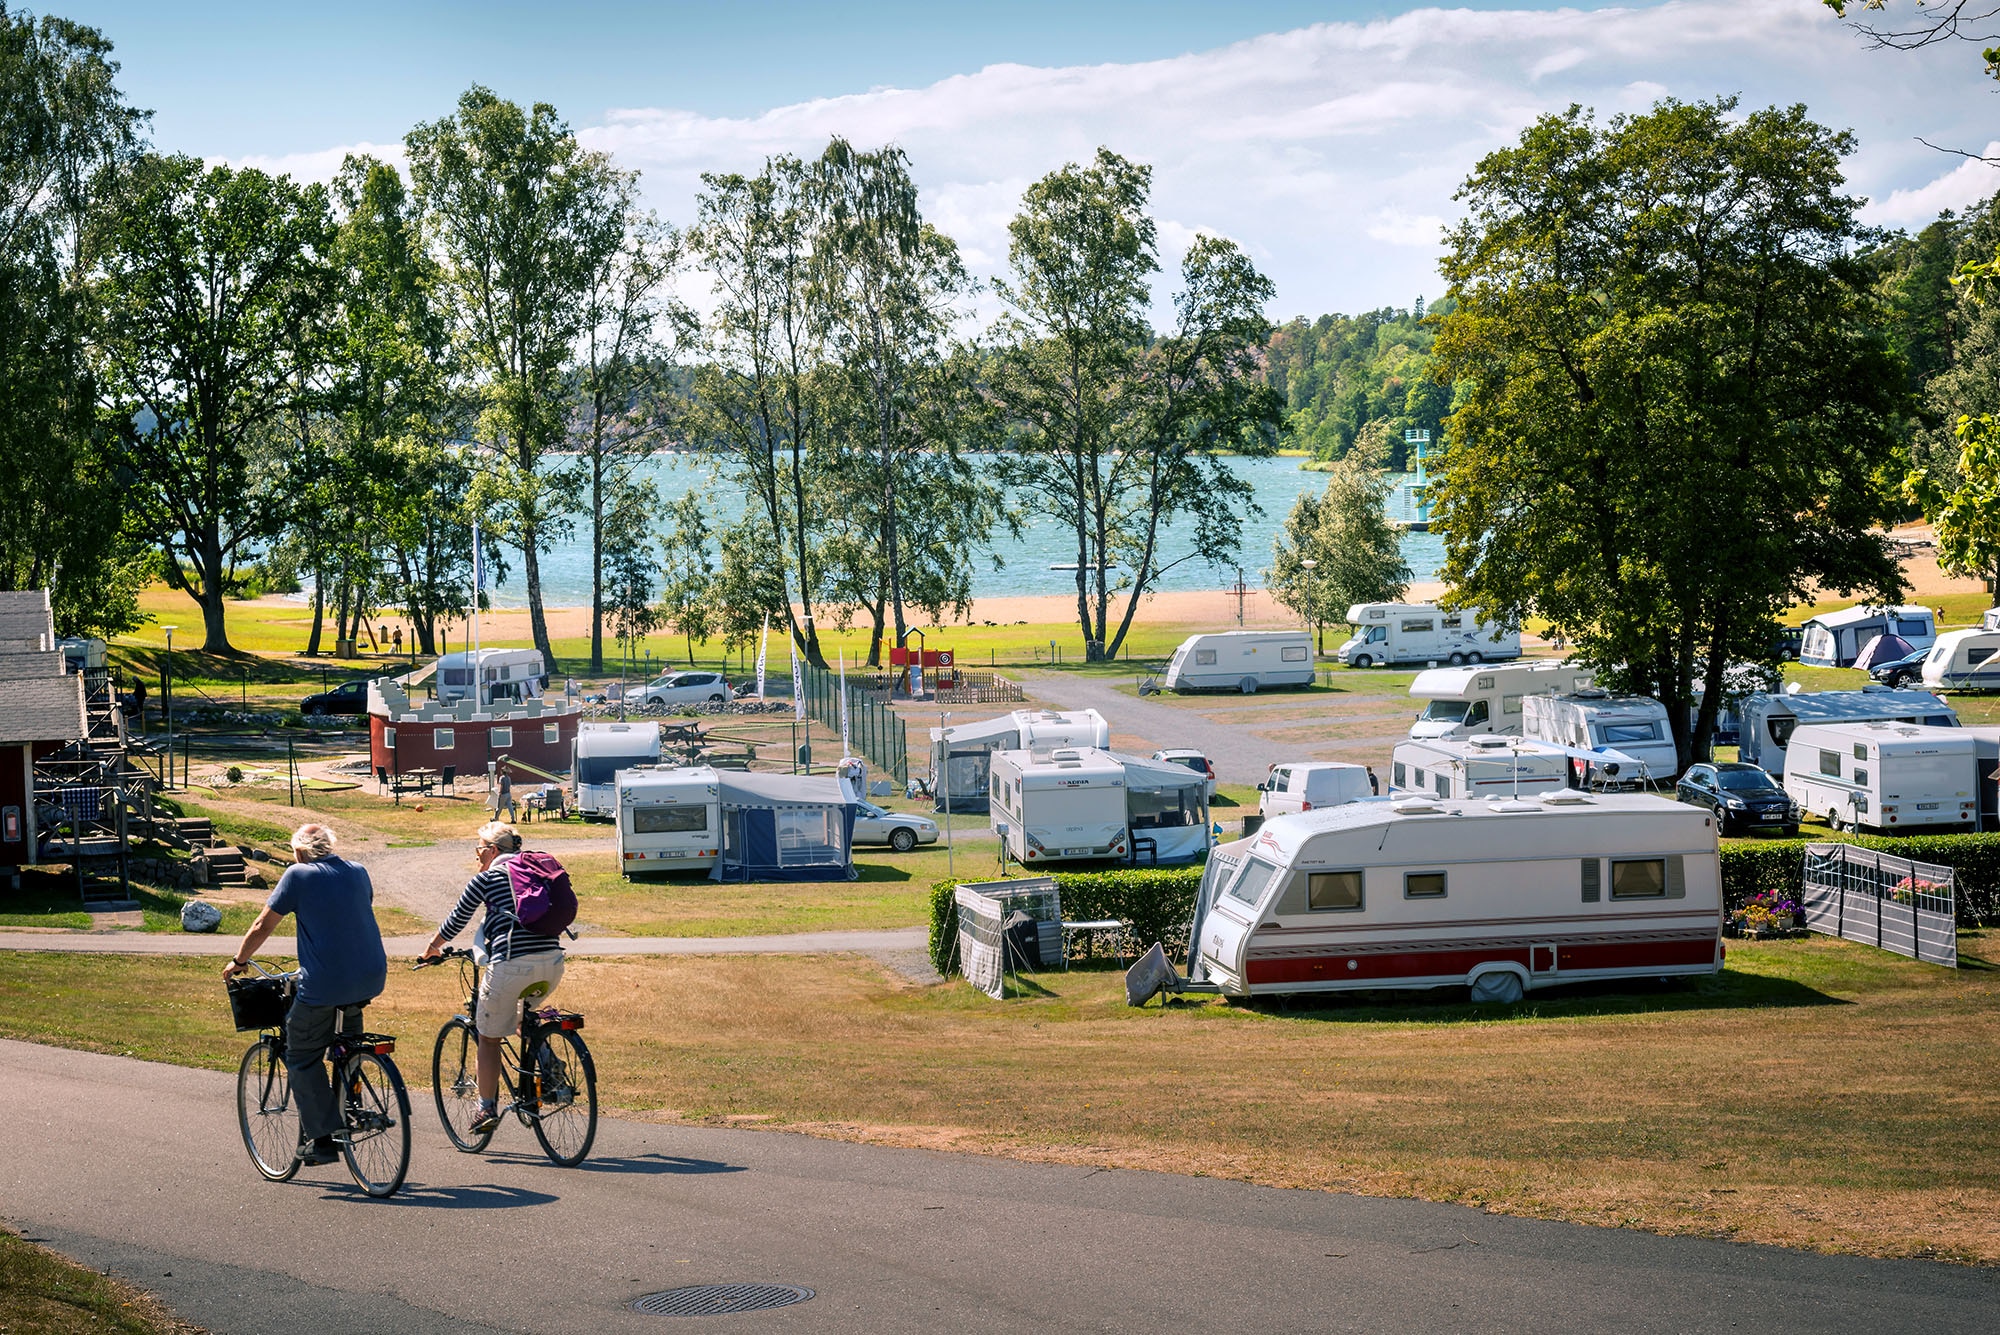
{"x":503,"y":797}
{"x":342,"y":967}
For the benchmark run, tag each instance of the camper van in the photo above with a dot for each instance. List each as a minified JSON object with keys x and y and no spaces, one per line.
{"x":669,"y":818}
{"x":1836,"y":639}
{"x":1500,"y":895}
{"x":1463,"y":701}
{"x":1964,"y":660}
{"x":1481,"y":766}
{"x":1311,"y":786}
{"x":1066,"y":805}
{"x":960,"y":778}
{"x":1635,"y":726}
{"x":1386,"y":633}
{"x":602,"y":752}
{"x":1769,"y":717}
{"x":1242,"y":660}
{"x":505,"y":676}
{"x":1887,"y":777}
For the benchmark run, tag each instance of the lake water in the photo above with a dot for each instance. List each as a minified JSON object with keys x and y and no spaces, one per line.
{"x":1276,"y":484}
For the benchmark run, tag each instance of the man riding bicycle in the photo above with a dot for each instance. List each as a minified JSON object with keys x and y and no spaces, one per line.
{"x":520,"y":963}
{"x":342,"y":967}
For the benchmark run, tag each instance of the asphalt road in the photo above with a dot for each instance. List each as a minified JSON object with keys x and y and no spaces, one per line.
{"x":137,"y":1168}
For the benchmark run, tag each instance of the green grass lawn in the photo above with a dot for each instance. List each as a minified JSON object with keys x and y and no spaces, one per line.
{"x":43,"y":1293}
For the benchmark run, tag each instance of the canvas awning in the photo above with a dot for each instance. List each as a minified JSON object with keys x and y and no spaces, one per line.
{"x":784,"y":827}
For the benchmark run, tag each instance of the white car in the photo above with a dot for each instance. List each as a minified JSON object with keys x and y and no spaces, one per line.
{"x":1193,"y":760}
{"x":901,"y":832}
{"x":685,"y":688}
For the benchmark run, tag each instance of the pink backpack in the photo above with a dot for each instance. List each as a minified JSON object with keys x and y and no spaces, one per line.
{"x":543,"y":901}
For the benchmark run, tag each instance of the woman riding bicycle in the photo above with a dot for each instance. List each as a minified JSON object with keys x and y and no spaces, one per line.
{"x":342,"y":968}
{"x":520,"y":963}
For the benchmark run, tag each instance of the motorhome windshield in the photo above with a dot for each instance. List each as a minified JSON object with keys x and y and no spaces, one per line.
{"x":1445,"y":711}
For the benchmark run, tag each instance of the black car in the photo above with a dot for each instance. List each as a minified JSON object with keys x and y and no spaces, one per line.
{"x":1742,"y":796}
{"x":1903,"y":671}
{"x":349,"y":697}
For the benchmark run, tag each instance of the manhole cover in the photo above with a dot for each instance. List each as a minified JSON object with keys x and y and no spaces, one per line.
{"x":721,"y":1299}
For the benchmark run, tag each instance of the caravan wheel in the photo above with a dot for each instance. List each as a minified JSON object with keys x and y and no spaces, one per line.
{"x":1475,"y":657}
{"x":1500,"y":985}
{"x":1457,"y":660}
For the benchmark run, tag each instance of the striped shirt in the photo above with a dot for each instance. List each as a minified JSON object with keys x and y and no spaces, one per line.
{"x":506,"y":939}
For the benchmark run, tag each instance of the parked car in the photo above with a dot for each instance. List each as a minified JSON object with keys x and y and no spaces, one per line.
{"x":1312,"y":787}
{"x":1741,"y":796}
{"x":1900,"y":672}
{"x":350,"y":697}
{"x":684,"y":688}
{"x":1193,"y":760}
{"x":901,"y":832}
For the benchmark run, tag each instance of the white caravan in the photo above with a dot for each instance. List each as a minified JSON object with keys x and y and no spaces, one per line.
{"x":1242,"y":660}
{"x":1888,"y":777}
{"x":1310,"y":786}
{"x":669,"y":819}
{"x":1482,"y":766}
{"x":1463,"y":701}
{"x":602,"y":751}
{"x":1633,"y":725}
{"x":1964,"y":660}
{"x":1067,"y":805}
{"x":506,"y":676}
{"x":1769,"y":717}
{"x":961,"y":754}
{"x":1500,"y":895}
{"x":1424,"y":633}
{"x":1836,"y":639}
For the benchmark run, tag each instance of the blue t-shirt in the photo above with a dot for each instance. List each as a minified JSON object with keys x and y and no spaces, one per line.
{"x":340,"y":947}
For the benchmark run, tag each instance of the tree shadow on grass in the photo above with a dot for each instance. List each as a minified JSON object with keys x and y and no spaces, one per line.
{"x":1729,"y":990}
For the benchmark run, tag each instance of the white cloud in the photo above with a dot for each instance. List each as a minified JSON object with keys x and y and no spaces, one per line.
{"x":1969,"y":182}
{"x":320,"y":164}
{"x":1332,"y":152}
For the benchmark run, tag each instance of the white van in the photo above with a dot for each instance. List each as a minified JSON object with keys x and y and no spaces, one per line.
{"x":669,"y":818}
{"x":1888,"y":777}
{"x":1482,"y":766}
{"x":1066,"y":805}
{"x":1593,"y":720}
{"x":602,"y":752}
{"x":1242,"y":660}
{"x":1770,"y":717}
{"x":1310,"y":787}
{"x":1424,"y":633}
{"x":1964,"y":660}
{"x":1463,"y":701}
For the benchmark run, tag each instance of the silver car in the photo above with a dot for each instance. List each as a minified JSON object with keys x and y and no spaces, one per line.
{"x":684,"y":688}
{"x":901,"y":832}
{"x":1193,"y":760}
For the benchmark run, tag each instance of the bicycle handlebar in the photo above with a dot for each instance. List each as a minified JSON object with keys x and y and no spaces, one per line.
{"x":448,"y":953}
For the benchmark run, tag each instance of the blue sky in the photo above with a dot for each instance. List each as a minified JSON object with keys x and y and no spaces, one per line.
{"x":1325,"y":137}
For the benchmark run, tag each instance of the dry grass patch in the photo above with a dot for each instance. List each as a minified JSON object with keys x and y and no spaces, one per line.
{"x":1817,"y":1094}
{"x":43,"y":1293}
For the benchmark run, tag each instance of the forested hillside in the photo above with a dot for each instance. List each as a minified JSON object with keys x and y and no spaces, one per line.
{"x":1340,"y":372}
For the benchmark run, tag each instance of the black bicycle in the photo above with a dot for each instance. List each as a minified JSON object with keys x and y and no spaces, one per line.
{"x":550,"y":1079}
{"x":375,"y":1107}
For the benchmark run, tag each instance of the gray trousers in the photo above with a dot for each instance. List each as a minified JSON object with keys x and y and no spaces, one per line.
{"x":309,"y":1031}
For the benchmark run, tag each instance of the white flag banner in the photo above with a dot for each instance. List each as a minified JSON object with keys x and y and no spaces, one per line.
{"x":763,"y":645}
{"x":846,"y":746}
{"x":798,"y":686}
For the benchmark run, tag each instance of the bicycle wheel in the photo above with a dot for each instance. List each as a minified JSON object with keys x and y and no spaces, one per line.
{"x":377,"y":1108}
{"x":454,"y":1083}
{"x":566,"y":1116}
{"x":265,"y":1112}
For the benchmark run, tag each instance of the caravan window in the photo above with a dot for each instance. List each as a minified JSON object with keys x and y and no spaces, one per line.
{"x":1158,"y":811}
{"x":1829,"y":764}
{"x":670,"y":820}
{"x":1398,"y":779}
{"x":1334,"y":890}
{"x":806,"y":837}
{"x":1631,"y":732}
{"x":456,"y":676}
{"x":1294,"y":653}
{"x":1908,"y":626}
{"x":1645,"y":879}
{"x":1250,"y":884}
{"x":1940,"y":721}
{"x":1452,"y":621}
{"x":1415,"y":627}
{"x":1510,"y":704}
{"x":1204,"y":657}
{"x":1423,"y":885}
{"x":1973,"y":656}
{"x":1860,"y":751}
{"x":1443,"y":784}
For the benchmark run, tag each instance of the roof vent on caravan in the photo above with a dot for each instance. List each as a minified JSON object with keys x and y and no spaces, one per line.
{"x":1590,"y":693}
{"x":1066,"y":756}
{"x":1565,"y":797}
{"x":1490,"y":740}
{"x":1415,"y":805}
{"x":1498,"y":803}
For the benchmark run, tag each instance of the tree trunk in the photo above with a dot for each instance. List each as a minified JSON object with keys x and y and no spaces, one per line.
{"x":597,"y":558}
{"x":215,"y":628}
{"x":319,"y":612}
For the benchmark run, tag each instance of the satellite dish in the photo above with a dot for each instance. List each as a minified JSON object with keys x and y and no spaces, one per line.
{"x":1791,"y":688}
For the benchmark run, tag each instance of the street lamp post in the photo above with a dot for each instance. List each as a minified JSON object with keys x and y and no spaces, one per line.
{"x":167,"y":700}
{"x":944,"y":725}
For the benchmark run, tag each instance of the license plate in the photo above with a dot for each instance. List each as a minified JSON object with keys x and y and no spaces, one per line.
{"x":672,"y":853}
{"x":1076,"y":852}
{"x":1927,"y":806}
{"x":1772,"y":819}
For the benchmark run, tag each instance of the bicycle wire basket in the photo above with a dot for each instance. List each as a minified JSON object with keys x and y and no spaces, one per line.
{"x":259,"y":1003}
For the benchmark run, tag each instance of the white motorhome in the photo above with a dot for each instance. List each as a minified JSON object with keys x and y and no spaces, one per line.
{"x":1386,"y":633}
{"x":1463,"y":701}
{"x":1887,"y":777}
{"x":669,"y":818}
{"x":1964,"y":660}
{"x":1482,"y":766}
{"x":1635,"y":726}
{"x":1242,"y":660}
{"x":1769,"y":717}
{"x":601,"y":753}
{"x":961,"y":754}
{"x":1500,"y":895}
{"x":1836,"y":639}
{"x":504,"y":676}
{"x":1066,"y":805}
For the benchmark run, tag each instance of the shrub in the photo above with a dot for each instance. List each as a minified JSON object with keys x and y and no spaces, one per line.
{"x":1157,"y":901}
{"x":233,"y":774}
{"x":1751,"y":869}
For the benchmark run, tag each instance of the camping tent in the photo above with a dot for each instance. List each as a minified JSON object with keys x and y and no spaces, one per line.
{"x":784,"y":827}
{"x":1168,"y":806}
{"x":1883,"y":649}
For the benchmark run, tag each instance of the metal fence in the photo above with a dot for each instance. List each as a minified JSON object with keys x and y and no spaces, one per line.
{"x":1879,"y":899}
{"x":876,"y":730}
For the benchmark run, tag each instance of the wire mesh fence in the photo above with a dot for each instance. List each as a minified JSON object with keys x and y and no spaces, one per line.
{"x":874,"y":729}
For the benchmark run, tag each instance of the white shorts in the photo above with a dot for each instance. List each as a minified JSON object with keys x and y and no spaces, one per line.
{"x":508,"y":983}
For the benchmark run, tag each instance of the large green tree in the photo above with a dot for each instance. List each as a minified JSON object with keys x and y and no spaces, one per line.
{"x":1338,"y":548}
{"x":213,"y":282}
{"x":1678,"y":407}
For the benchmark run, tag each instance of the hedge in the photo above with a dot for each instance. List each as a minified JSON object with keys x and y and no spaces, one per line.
{"x":1749,"y":869}
{"x":1157,"y":901}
